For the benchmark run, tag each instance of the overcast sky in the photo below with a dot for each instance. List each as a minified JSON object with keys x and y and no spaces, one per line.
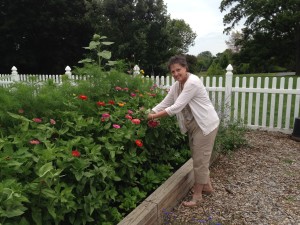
{"x":205,"y":19}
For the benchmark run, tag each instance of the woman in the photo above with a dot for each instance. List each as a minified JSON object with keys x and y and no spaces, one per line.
{"x":189,"y":101}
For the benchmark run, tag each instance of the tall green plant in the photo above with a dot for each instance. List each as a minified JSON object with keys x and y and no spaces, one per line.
{"x":96,"y":51}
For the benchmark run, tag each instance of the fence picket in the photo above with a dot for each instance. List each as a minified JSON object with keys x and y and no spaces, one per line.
{"x":288,"y":105}
{"x":265,"y":103}
{"x":250,"y":100}
{"x":236,"y":99}
{"x":280,"y":104}
{"x":257,"y":102}
{"x":272,"y":106}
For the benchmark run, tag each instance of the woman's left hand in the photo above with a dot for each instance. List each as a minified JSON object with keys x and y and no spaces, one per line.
{"x":150,"y":116}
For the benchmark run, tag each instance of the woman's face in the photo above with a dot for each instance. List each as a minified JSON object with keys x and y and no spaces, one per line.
{"x":179,"y":72}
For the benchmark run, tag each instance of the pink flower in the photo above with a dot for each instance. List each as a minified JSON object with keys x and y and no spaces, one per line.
{"x":127,"y":116}
{"x":76,"y":153}
{"x":116,"y":126}
{"x":52,"y":121}
{"x":21,"y":111}
{"x":132,"y":94}
{"x":34,"y":142}
{"x":105,"y":115}
{"x":130,"y":111}
{"x":118,"y":88}
{"x":37,"y":120}
{"x":136,"y":121}
{"x":125,"y":89}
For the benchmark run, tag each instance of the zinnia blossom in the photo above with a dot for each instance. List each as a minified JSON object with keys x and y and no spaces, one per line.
{"x":136,"y":121}
{"x":121,"y":104}
{"x":111,"y":102}
{"x":127,"y":116}
{"x":130,"y":111}
{"x":105,"y":115}
{"x":52,"y":121}
{"x":76,"y":153}
{"x":21,"y":111}
{"x":153,"y":123}
{"x":132,"y":94}
{"x":116,"y":126}
{"x":117,"y":88}
{"x":83,"y":97}
{"x":101,"y":103}
{"x":126,"y":89}
{"x":34,"y":142}
{"x":139,"y":143}
{"x":37,"y":120}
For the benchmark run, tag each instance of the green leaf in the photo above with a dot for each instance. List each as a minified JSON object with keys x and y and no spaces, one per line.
{"x":86,"y":61}
{"x":15,"y":212}
{"x":111,"y":63}
{"x":49,"y":193}
{"x":107,"y":126}
{"x":107,"y":43}
{"x":37,"y":215}
{"x":93,"y":44}
{"x":45,"y":169}
{"x":105,"y":54}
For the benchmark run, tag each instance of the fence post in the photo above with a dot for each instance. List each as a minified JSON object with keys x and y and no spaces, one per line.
{"x":68,"y":72}
{"x":14,"y":74}
{"x":136,"y":70}
{"x":228,"y":92}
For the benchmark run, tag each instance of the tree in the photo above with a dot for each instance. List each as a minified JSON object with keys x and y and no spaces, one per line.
{"x":280,"y":20}
{"x":42,"y":36}
{"x":204,"y":60}
{"x":234,"y":42}
{"x":142,"y":32}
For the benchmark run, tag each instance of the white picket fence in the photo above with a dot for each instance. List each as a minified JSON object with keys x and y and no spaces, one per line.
{"x":271,"y":104}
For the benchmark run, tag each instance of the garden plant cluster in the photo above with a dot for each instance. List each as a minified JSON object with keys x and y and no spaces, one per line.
{"x":82,"y":152}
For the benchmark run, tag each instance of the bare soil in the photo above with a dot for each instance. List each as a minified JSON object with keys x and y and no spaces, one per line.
{"x":257,"y":184}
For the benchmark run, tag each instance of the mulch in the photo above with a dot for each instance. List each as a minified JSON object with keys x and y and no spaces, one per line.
{"x":257,"y":184}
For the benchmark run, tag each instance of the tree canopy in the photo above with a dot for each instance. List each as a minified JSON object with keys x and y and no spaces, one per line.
{"x":278,"y":22}
{"x":42,"y":36}
{"x":142,"y":31}
{"x":46,"y":36}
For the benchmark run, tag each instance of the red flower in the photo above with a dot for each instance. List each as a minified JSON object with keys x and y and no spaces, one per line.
{"x":153,"y":123}
{"x":37,"y":120}
{"x":128,"y":117}
{"x":83,"y":97}
{"x":101,"y":103}
{"x":139,"y":143}
{"x":136,"y":121}
{"x":117,"y":88}
{"x":111,"y":102}
{"x":75,"y":153}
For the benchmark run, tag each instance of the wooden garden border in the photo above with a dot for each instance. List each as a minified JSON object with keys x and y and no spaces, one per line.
{"x":168,"y":195}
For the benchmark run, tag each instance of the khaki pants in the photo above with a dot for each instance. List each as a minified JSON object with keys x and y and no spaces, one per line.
{"x":201,"y":148}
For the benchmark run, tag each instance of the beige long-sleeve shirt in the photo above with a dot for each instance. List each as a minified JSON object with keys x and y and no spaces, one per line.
{"x":195,"y":95}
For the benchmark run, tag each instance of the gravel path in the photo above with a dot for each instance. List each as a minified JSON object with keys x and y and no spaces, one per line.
{"x":258,"y":184}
